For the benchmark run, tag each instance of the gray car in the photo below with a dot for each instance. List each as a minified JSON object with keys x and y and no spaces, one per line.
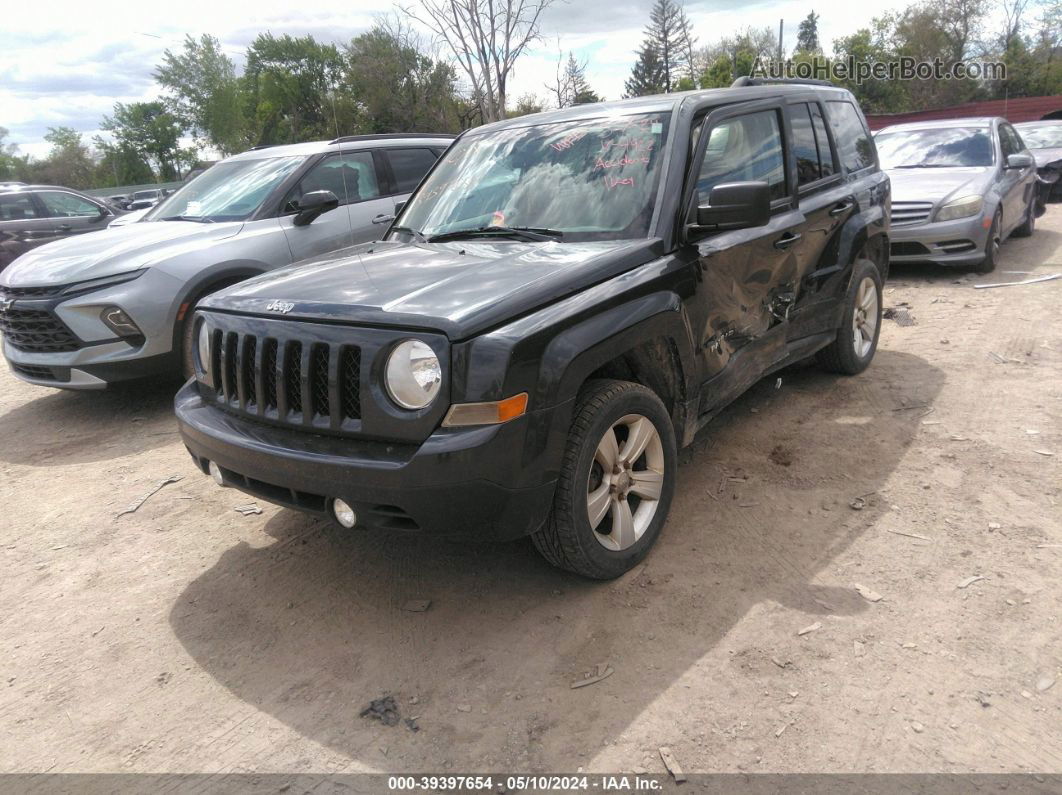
{"x":33,"y":215}
{"x":114,"y":305}
{"x":960,"y":187}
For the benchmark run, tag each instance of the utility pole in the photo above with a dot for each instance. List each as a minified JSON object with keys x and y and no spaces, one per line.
{"x":781,"y":38}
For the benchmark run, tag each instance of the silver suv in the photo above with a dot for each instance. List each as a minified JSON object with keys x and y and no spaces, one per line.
{"x":104,"y":307}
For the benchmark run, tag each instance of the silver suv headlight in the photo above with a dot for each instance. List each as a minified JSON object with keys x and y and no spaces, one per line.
{"x":960,"y":208}
{"x":413,"y":374}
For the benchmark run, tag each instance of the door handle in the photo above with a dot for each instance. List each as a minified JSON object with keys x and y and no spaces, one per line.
{"x":841,"y":208}
{"x":786,"y":240}
{"x":383,"y":219}
{"x":63,"y":228}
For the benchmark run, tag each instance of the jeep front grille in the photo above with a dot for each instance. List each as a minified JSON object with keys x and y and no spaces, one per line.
{"x":316,"y":384}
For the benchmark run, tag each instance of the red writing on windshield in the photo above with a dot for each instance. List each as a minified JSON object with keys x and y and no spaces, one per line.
{"x":613,"y":182}
{"x":567,"y":142}
{"x":626,"y":160}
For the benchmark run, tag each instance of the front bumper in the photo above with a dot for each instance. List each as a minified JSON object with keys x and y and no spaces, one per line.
{"x":100,"y":356}
{"x":959,"y":242}
{"x":490,"y":482}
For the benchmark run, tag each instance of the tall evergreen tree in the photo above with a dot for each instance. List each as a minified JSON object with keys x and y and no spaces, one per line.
{"x":808,"y":34}
{"x":647,"y":75}
{"x":666,"y":55}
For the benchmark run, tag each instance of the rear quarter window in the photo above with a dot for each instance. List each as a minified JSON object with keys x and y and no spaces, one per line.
{"x":851,"y":135}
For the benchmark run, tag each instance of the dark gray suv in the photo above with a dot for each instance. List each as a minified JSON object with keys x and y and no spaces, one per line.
{"x":32,"y":215}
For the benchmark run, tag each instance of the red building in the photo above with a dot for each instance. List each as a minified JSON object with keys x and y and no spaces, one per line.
{"x":1013,"y":110}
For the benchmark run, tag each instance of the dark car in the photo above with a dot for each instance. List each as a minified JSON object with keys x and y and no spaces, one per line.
{"x":565,"y":300}
{"x":32,"y":215}
{"x":1044,"y":139}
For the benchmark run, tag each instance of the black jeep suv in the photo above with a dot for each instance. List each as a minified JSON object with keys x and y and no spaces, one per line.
{"x":564,"y":301}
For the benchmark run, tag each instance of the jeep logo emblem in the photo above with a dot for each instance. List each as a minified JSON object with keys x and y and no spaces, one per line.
{"x":283,"y":307}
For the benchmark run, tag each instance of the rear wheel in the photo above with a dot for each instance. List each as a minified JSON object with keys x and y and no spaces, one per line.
{"x":857,"y":338}
{"x":616,"y":483}
{"x":1028,"y":226}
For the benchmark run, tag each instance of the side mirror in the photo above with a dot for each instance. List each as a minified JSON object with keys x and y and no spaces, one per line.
{"x":735,"y":205}
{"x":313,"y":204}
{"x":1020,"y":160}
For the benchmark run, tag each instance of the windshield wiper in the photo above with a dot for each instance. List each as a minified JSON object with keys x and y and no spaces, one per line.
{"x":526,"y":232}
{"x":418,"y":236}
{"x":196,"y":218}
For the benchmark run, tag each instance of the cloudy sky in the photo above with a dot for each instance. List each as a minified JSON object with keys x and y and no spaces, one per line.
{"x":69,"y":62}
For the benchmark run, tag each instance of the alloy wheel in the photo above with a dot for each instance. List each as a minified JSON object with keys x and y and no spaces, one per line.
{"x":625,"y":482}
{"x":865,"y":317}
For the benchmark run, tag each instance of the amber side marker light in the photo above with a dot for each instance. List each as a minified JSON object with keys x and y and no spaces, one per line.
{"x":493,"y":413}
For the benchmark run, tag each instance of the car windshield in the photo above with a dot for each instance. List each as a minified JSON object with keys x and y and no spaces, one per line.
{"x":1045,"y":136}
{"x":588,"y":179}
{"x":229,"y":191}
{"x":943,"y":147}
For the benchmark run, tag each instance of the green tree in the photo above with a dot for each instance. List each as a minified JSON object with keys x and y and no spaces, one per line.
{"x":206,"y":94}
{"x":808,"y":34}
{"x":120,"y":164}
{"x":290,"y":90}
{"x":154,"y":133}
{"x":647,"y":74}
{"x":868,"y":45}
{"x":666,"y":54}
{"x":719,"y":75}
{"x":525,"y":105}
{"x":12,"y":165}
{"x":69,"y":162}
{"x":570,"y":86}
{"x":396,"y":88}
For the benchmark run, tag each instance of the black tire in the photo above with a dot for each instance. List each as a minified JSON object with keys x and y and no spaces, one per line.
{"x":1029,"y":225}
{"x":567,"y":540}
{"x":841,"y":356}
{"x":188,"y":343}
{"x":988,"y":264}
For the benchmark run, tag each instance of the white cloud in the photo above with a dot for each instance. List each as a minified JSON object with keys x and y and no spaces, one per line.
{"x":70,"y":66}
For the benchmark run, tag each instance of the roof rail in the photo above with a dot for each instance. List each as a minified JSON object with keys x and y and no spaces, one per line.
{"x":262,"y":146}
{"x":745,"y":80}
{"x":347,"y":139}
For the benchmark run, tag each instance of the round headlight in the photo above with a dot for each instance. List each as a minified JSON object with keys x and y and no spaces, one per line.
{"x":413,"y":374}
{"x":203,"y":348}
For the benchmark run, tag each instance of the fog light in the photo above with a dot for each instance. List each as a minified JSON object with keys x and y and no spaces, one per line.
{"x":344,"y":513}
{"x":215,"y":472}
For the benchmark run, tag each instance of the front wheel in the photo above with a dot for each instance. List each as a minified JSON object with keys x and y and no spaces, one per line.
{"x":857,"y":338}
{"x":995,"y":240}
{"x":616,"y":482}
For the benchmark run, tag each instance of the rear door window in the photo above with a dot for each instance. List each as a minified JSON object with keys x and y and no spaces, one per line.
{"x":851,"y":135}
{"x":805,"y":147}
{"x":822,"y":140}
{"x":16,"y":207}
{"x":409,"y":166}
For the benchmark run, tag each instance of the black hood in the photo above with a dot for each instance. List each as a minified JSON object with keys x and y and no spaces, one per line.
{"x":459,"y":288}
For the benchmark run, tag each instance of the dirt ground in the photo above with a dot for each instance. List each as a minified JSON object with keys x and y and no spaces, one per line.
{"x":189,"y":637}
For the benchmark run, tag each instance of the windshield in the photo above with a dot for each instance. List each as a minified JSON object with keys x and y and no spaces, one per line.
{"x":229,"y":191}
{"x":591,"y":179}
{"x":944,"y":147}
{"x":1041,"y":136}
{"x":145,"y":194}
